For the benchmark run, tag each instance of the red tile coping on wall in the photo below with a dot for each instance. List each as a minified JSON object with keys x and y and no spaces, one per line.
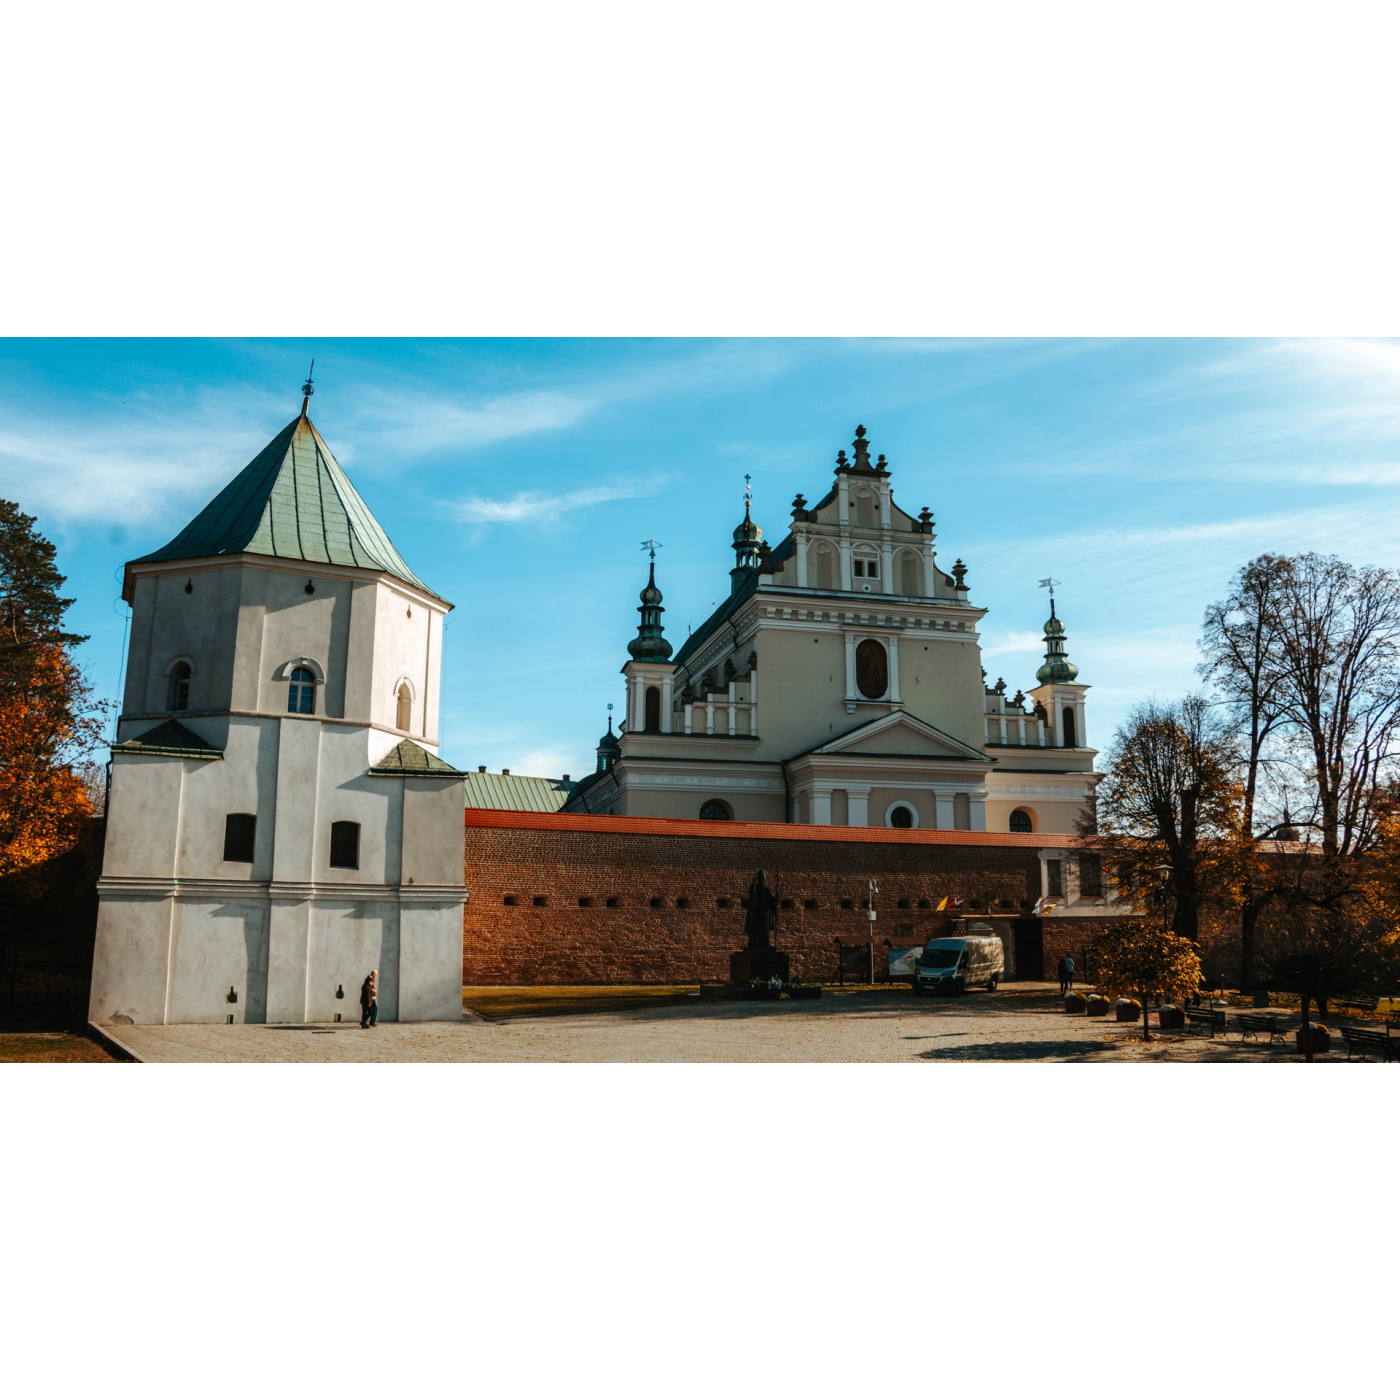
{"x":757,"y":831}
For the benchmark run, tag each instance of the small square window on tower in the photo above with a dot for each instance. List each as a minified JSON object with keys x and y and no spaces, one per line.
{"x":240,"y":829}
{"x":345,"y":845}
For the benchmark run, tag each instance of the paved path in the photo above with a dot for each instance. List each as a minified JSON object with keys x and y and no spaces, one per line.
{"x":1017,"y":1023}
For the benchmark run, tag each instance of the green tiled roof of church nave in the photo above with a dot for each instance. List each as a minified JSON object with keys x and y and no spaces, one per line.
{"x":292,"y":501}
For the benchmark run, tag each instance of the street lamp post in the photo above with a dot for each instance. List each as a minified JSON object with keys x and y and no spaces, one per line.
{"x":874,"y":890}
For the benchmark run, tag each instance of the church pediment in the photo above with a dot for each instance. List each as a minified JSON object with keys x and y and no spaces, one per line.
{"x":899,"y":734}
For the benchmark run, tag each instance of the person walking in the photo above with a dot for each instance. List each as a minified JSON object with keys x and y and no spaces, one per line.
{"x":369,"y":1001}
{"x":1063,"y":969}
{"x":1069,"y":973}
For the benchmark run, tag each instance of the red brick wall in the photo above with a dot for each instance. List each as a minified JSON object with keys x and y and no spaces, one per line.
{"x":633,"y":862}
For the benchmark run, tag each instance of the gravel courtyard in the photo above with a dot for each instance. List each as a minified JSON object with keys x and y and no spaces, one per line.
{"x":1020,"y":1022}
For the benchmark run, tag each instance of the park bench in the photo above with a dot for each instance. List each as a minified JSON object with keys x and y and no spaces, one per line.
{"x":1213,"y":1019}
{"x":1367,"y":1042}
{"x":1254,"y":1025}
{"x":1366,"y":1008}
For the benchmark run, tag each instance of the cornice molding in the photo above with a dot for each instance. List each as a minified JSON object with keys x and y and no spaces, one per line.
{"x":270,"y":891}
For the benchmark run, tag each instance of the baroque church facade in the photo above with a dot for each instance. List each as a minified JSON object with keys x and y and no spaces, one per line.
{"x":841,"y":683}
{"x":279,"y":821}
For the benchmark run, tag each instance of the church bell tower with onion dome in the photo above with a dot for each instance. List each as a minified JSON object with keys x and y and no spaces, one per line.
{"x":280,"y":823}
{"x":649,"y":672}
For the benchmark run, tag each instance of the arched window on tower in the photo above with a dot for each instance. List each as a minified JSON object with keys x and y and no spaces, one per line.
{"x":1070,"y":741}
{"x":301,"y":694}
{"x":910,"y":575}
{"x":1021,"y":822}
{"x":404,"y":718}
{"x":180,"y":686}
{"x":653,"y":710}
{"x":872,"y":669}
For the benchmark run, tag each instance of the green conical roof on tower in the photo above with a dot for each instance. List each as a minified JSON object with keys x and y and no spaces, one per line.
{"x":292,"y":501}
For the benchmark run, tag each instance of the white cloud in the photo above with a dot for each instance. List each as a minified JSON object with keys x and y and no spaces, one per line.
{"x":1012,"y":643}
{"x":413,"y":424}
{"x":547,"y":763}
{"x":536,"y":505}
{"x":132,"y":464}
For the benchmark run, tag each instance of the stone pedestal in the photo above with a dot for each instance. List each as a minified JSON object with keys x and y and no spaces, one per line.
{"x":757,"y":962}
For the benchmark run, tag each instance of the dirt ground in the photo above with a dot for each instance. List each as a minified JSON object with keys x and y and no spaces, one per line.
{"x":1020,"y":1022}
{"x":51,"y":1047}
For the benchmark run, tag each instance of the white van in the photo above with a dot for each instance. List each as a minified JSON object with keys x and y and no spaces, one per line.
{"x":951,"y":965}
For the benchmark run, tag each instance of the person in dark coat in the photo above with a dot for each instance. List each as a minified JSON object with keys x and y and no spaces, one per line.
{"x":1066,"y":977}
{"x":1068,"y":974}
{"x":369,"y":1001}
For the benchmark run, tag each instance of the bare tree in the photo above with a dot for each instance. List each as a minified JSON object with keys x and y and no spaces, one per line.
{"x":1241,"y":643}
{"x":1338,"y":676}
{"x":1168,"y":794}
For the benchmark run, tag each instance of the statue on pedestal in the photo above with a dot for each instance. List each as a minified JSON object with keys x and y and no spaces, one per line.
{"x":759,"y":959}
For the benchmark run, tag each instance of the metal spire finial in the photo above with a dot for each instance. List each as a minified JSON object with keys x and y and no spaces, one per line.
{"x":1050,"y":584}
{"x":748,"y":491}
{"x":652,"y":546}
{"x":308,"y":388}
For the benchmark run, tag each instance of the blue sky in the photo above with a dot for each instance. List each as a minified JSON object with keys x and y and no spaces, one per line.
{"x":519,"y":477}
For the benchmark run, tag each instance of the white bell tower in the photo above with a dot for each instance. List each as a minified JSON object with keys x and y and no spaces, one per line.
{"x":280,"y":823}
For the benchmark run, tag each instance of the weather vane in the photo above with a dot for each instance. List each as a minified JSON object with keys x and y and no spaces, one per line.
{"x":652,"y":546}
{"x":308,"y":388}
{"x":748,"y":490}
{"x":1050,"y":584}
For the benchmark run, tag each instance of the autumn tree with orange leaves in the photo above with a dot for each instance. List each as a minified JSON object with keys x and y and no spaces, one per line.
{"x":48,"y":727}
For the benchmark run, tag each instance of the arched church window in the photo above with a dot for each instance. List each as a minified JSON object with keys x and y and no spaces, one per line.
{"x":715,"y":811}
{"x":404,"y":718}
{"x":1021,"y":822}
{"x":653,"y":710}
{"x":872,"y":669}
{"x":301,"y":694}
{"x":909,"y":572}
{"x":180,"y":686}
{"x":1070,"y":742}
{"x":345,"y":845}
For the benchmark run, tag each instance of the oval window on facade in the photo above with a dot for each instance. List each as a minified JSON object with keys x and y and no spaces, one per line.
{"x":872,"y":669}
{"x":902,"y":817}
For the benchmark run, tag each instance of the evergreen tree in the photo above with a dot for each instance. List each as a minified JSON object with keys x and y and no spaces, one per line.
{"x":48,"y":726}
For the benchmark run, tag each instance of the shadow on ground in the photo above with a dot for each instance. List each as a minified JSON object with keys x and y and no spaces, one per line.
{"x":1025,"y":1050}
